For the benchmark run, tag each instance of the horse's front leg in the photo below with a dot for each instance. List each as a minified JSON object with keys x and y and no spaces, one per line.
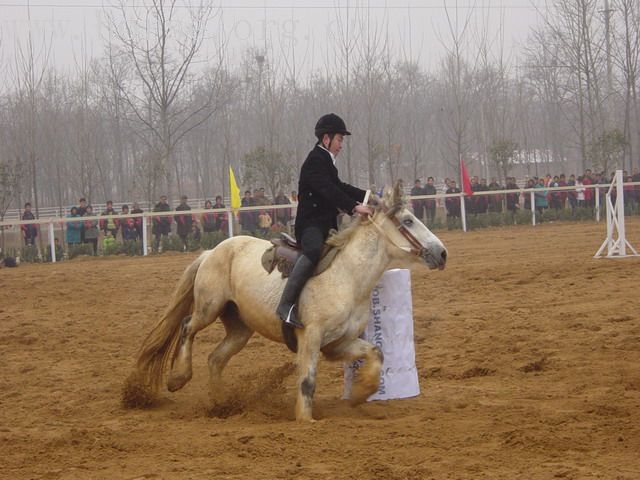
{"x":368,"y":376}
{"x":309,"y":341}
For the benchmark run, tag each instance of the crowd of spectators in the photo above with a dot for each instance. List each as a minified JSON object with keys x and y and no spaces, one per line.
{"x":88,"y":230}
{"x":107,"y":230}
{"x":582,"y":196}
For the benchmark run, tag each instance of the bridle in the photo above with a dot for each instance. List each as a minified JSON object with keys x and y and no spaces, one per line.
{"x":416,"y":247}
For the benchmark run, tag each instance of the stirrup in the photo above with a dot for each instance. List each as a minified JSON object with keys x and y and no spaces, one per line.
{"x":291,"y":319}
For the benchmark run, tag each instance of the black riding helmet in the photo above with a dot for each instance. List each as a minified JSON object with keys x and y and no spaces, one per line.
{"x":330,"y":124}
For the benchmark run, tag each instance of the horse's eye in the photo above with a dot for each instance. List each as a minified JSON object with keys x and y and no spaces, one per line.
{"x":408,"y":222}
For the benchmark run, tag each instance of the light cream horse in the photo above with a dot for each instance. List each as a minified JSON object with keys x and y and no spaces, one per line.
{"x":229,"y":283}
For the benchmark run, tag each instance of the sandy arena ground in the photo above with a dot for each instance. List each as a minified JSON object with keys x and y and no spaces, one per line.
{"x":528,"y":352}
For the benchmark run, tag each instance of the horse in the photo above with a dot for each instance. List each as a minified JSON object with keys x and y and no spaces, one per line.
{"x":229,"y":283}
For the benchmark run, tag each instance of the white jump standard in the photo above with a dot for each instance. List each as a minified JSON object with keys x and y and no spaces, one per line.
{"x":616,"y":247}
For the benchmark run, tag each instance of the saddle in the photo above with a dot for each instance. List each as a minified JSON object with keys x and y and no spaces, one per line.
{"x":284,"y":252}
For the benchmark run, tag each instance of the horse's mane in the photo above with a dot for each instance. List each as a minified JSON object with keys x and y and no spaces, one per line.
{"x":389,"y":204}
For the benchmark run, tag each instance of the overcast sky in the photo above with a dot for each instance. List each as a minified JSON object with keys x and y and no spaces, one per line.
{"x":416,"y":27}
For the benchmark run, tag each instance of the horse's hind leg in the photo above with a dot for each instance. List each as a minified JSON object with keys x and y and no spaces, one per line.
{"x":368,"y":376}
{"x":204,"y":314}
{"x":237,"y":336}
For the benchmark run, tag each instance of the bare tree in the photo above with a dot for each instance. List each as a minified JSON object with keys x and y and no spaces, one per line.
{"x":369,"y":77}
{"x":161,"y":42}
{"x":10,"y":177}
{"x":31,"y":66}
{"x":627,"y":57}
{"x":574,"y":28}
{"x":458,"y":88}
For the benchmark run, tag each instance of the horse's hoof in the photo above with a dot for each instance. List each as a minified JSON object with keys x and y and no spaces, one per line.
{"x":358,"y":397}
{"x":176,"y":382}
{"x":306,"y":420}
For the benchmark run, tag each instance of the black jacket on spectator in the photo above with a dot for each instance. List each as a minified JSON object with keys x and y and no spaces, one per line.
{"x":29,"y":230}
{"x":322,"y":194}
{"x":161,"y":225}
{"x":183,"y":222}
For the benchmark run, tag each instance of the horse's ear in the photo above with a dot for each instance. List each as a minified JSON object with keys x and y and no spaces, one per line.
{"x":387,"y":198}
{"x":398,"y":194}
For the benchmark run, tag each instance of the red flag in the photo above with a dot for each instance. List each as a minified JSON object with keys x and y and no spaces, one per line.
{"x":466,"y":182}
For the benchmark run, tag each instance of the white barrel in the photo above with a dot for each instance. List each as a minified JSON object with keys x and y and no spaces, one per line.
{"x":390,"y":328}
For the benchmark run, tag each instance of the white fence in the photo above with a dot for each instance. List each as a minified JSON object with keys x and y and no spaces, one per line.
{"x":56,"y":223}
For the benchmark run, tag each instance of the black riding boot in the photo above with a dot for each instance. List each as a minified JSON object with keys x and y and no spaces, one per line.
{"x":287,"y":310}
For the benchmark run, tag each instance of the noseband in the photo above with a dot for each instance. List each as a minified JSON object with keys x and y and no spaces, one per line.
{"x":416,"y":247}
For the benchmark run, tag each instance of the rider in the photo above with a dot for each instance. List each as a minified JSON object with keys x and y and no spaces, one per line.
{"x":321,"y":195}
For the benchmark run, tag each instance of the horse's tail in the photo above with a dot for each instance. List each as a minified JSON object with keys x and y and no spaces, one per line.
{"x":156,"y":349}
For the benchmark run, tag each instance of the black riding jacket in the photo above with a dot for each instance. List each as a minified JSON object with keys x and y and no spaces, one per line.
{"x":321,"y":194}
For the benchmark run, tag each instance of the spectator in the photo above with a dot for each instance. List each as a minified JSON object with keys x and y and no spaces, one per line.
{"x":82,"y":210}
{"x":580,"y":192}
{"x":554,"y":197}
{"x":571,"y":194}
{"x":220,"y":218}
{"x":512,"y":198}
{"x":482,"y":201}
{"x":161,"y":224}
{"x":91,"y":230}
{"x":208,"y":219}
{"x":30,"y":230}
{"x":563,"y":193}
{"x":472,"y":203}
{"x":452,"y":203}
{"x":531,"y":183}
{"x":264,"y":222}
{"x":137,"y":222}
{"x":418,"y":204}
{"x":195,"y":233}
{"x":589,"y":197}
{"x":541,"y":197}
{"x":495,"y":201}
{"x":57,"y":249}
{"x":73,"y":228}
{"x":294,"y":200}
{"x":109,"y":224}
{"x":283,"y":215}
{"x":629,"y":193}
{"x":247,"y":218}
{"x":430,"y":203}
{"x":635,"y":177}
{"x":128,"y":226}
{"x":183,"y":222}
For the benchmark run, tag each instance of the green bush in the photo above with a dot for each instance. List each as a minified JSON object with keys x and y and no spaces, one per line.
{"x":522,"y":217}
{"x":80,"y":249}
{"x":171,"y":243}
{"x":59,"y":254}
{"x":437,"y":224}
{"x":454,"y":223}
{"x":111,"y":249}
{"x":30,"y":253}
{"x":210,"y":240}
{"x":131,"y":248}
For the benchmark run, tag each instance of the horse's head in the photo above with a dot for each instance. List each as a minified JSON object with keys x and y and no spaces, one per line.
{"x":405,"y":232}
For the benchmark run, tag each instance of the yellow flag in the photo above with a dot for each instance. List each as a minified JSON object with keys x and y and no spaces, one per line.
{"x":235,"y":191}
